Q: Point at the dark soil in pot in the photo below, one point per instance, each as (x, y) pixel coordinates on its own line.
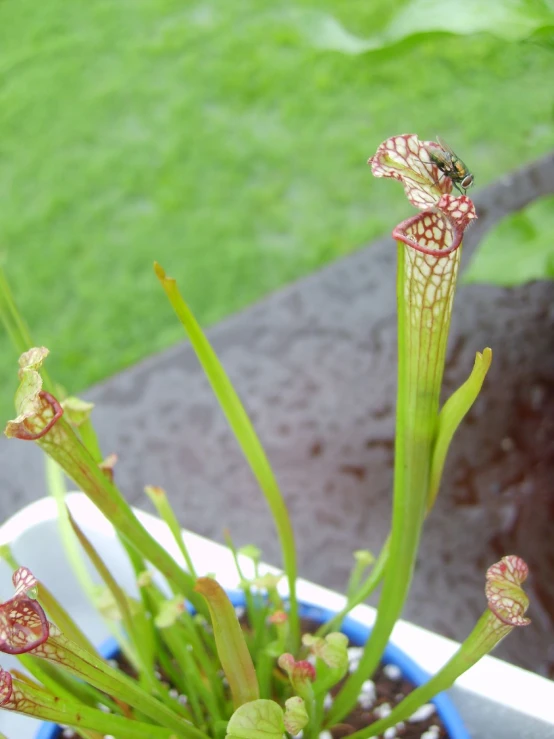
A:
(378, 697)
(388, 691)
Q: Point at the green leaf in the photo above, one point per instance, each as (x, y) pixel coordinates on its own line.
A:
(231, 645)
(332, 649)
(512, 21)
(245, 435)
(518, 250)
(159, 498)
(452, 414)
(27, 402)
(131, 612)
(251, 551)
(169, 613)
(85, 665)
(259, 719)
(77, 411)
(296, 716)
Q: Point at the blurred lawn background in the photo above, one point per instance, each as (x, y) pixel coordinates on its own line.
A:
(228, 140)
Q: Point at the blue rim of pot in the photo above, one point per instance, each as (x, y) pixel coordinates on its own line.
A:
(358, 635)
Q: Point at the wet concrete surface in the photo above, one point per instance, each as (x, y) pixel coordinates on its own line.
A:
(315, 366)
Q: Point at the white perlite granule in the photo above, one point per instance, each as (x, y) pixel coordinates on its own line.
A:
(392, 672)
(354, 653)
(365, 701)
(325, 735)
(383, 710)
(328, 701)
(432, 732)
(354, 657)
(390, 733)
(368, 688)
(367, 694)
(423, 713)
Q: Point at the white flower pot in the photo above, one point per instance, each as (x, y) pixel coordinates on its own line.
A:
(496, 699)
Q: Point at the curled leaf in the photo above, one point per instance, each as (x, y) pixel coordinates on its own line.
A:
(170, 611)
(231, 645)
(301, 671)
(278, 617)
(437, 232)
(25, 583)
(36, 419)
(259, 719)
(506, 598)
(332, 649)
(23, 622)
(364, 557)
(107, 466)
(296, 717)
(77, 411)
(267, 581)
(32, 359)
(5, 687)
(251, 551)
(405, 158)
(440, 228)
(301, 675)
(37, 411)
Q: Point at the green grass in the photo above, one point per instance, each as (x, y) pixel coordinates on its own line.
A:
(213, 138)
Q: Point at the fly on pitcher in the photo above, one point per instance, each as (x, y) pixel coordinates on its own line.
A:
(450, 164)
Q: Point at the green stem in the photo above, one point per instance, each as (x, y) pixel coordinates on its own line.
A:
(159, 498)
(244, 583)
(450, 417)
(59, 683)
(74, 555)
(62, 444)
(362, 593)
(53, 607)
(97, 672)
(424, 311)
(485, 636)
(37, 702)
(90, 440)
(135, 624)
(198, 665)
(247, 438)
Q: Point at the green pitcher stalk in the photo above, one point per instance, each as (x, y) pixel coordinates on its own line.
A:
(429, 249)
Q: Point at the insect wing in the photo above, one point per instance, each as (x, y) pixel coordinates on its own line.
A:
(439, 157)
(442, 143)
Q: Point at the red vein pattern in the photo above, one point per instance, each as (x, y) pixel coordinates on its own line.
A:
(506, 598)
(23, 623)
